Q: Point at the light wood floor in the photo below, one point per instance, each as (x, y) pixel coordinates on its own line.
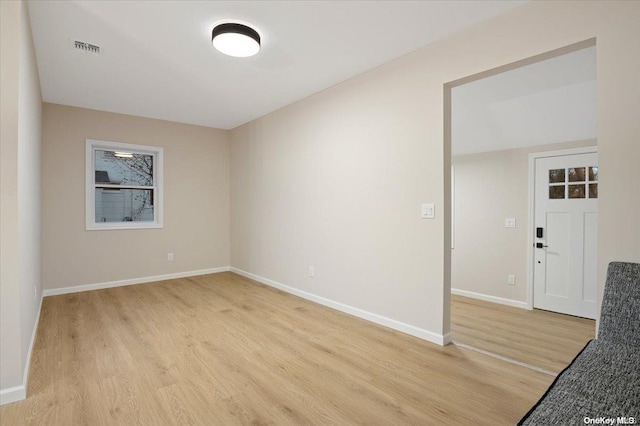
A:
(544, 339)
(220, 349)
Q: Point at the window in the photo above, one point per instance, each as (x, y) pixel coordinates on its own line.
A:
(123, 186)
(582, 183)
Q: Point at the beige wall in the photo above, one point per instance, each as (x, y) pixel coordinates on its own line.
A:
(10, 362)
(490, 187)
(30, 135)
(21, 106)
(196, 200)
(336, 180)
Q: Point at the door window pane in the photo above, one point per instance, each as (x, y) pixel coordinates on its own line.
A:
(593, 173)
(556, 192)
(577, 174)
(593, 190)
(577, 191)
(556, 175)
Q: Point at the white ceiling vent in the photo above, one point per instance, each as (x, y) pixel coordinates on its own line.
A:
(85, 47)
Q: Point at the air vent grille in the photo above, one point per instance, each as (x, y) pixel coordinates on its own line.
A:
(86, 47)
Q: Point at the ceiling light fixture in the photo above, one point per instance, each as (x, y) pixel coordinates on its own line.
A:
(235, 39)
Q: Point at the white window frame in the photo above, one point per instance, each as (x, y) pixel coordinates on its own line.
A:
(90, 185)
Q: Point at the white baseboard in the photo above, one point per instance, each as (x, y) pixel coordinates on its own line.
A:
(369, 316)
(132, 281)
(14, 394)
(18, 393)
(487, 298)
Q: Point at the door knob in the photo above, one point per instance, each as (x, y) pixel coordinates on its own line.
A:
(540, 245)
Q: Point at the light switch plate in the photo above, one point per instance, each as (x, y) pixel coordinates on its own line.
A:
(428, 211)
(510, 222)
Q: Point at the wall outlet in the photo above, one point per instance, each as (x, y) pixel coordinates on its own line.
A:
(312, 271)
(510, 222)
(170, 257)
(511, 279)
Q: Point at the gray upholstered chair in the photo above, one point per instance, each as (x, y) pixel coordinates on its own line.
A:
(604, 379)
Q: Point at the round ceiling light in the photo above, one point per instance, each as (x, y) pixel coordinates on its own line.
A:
(235, 40)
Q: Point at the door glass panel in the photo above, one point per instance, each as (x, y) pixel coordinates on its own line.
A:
(593, 190)
(556, 176)
(577, 191)
(593, 173)
(577, 174)
(556, 192)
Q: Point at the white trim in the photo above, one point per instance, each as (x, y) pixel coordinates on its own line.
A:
(530, 225)
(34, 333)
(360, 313)
(18, 393)
(453, 207)
(9, 395)
(132, 281)
(90, 190)
(487, 298)
(532, 206)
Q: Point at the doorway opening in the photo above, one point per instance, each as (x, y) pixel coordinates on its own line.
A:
(522, 259)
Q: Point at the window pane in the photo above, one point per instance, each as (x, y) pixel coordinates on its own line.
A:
(124, 168)
(556, 192)
(556, 175)
(124, 205)
(593, 190)
(577, 191)
(576, 174)
(593, 173)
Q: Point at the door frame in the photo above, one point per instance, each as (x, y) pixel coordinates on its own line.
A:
(531, 220)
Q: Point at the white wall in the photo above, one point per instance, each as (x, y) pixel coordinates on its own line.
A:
(20, 225)
(336, 180)
(490, 187)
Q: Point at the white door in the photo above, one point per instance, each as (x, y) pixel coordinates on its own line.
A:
(566, 234)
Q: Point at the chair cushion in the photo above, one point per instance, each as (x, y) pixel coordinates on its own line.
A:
(620, 314)
(602, 381)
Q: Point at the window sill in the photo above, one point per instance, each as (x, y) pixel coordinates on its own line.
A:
(119, 226)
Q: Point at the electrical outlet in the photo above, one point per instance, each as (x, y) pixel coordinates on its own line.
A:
(511, 280)
(510, 222)
(312, 271)
(170, 257)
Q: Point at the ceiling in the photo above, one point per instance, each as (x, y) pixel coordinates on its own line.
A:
(547, 102)
(158, 61)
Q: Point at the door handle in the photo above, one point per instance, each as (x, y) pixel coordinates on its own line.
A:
(540, 245)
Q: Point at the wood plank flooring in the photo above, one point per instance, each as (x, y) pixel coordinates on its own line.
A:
(540, 338)
(220, 349)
